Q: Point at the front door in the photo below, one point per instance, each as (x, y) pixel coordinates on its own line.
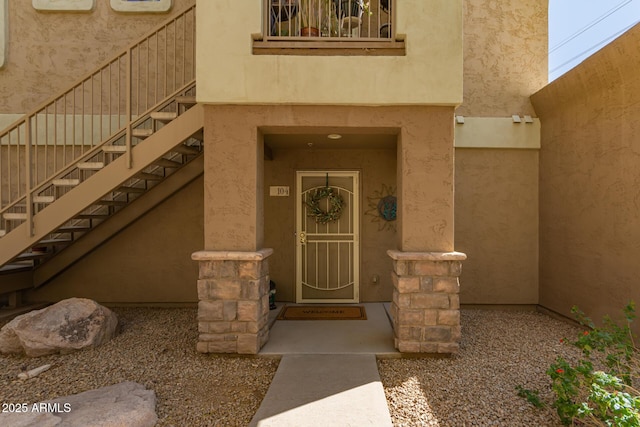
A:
(327, 233)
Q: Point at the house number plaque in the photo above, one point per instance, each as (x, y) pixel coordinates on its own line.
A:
(279, 191)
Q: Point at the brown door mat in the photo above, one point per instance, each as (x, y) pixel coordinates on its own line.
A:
(322, 312)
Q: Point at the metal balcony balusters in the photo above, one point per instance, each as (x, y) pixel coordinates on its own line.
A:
(343, 20)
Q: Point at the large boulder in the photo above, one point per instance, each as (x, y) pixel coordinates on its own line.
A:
(126, 404)
(69, 325)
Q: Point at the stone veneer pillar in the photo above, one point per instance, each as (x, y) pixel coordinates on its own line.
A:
(233, 311)
(426, 305)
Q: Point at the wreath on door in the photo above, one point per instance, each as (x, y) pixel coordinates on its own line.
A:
(336, 204)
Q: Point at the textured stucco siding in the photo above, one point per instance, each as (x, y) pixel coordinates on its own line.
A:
(590, 182)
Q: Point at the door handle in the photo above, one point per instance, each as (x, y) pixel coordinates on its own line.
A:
(303, 238)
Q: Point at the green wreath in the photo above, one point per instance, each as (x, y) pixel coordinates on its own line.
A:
(335, 201)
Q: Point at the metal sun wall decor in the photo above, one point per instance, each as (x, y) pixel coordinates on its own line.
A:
(383, 208)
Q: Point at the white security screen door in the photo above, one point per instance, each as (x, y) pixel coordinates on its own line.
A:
(327, 233)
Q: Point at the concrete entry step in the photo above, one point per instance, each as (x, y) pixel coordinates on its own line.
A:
(325, 389)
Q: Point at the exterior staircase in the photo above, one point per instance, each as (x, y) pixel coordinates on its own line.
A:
(129, 132)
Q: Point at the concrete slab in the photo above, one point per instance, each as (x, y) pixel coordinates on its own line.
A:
(325, 390)
(371, 336)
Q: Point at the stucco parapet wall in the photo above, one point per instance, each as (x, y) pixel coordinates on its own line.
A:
(426, 256)
(497, 132)
(232, 255)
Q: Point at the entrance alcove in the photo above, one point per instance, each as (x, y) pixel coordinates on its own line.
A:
(372, 157)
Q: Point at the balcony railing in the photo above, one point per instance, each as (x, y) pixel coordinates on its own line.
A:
(328, 20)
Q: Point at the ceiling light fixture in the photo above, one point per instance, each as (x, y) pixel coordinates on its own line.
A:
(334, 136)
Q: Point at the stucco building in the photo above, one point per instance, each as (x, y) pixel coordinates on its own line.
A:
(209, 132)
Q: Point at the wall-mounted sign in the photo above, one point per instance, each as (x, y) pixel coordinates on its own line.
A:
(279, 191)
(141, 5)
(71, 5)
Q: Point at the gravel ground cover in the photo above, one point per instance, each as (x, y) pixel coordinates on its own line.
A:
(477, 387)
(156, 347)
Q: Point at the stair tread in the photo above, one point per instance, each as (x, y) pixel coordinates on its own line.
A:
(14, 215)
(92, 216)
(73, 229)
(185, 149)
(66, 182)
(43, 199)
(142, 132)
(166, 163)
(163, 116)
(114, 149)
(91, 165)
(149, 176)
(15, 268)
(111, 202)
(126, 189)
(31, 255)
(47, 242)
(186, 99)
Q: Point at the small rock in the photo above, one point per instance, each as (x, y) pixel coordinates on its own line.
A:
(33, 372)
(69, 325)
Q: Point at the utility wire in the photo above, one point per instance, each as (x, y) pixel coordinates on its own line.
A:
(600, 43)
(590, 25)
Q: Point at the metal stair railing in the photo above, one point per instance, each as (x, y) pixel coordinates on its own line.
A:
(107, 107)
(97, 186)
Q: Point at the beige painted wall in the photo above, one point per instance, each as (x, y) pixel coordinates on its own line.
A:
(505, 56)
(377, 169)
(497, 225)
(496, 174)
(419, 161)
(430, 73)
(590, 181)
(148, 262)
(47, 51)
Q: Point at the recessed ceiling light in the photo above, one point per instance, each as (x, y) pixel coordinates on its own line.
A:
(334, 136)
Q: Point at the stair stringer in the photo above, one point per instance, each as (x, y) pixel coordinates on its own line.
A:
(118, 222)
(102, 183)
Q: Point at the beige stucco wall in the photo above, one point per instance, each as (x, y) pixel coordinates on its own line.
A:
(505, 56)
(496, 174)
(147, 262)
(497, 225)
(420, 165)
(47, 51)
(430, 73)
(590, 181)
(377, 169)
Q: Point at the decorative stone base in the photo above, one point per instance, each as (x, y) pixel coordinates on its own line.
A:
(233, 312)
(426, 304)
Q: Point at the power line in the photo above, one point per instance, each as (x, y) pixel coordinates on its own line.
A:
(600, 43)
(591, 24)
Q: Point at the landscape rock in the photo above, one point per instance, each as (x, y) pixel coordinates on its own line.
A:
(126, 404)
(69, 325)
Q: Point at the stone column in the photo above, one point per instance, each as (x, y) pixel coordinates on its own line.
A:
(233, 312)
(426, 305)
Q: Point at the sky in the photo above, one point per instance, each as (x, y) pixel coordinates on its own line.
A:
(579, 28)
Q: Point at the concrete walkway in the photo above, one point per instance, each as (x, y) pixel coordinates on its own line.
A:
(328, 374)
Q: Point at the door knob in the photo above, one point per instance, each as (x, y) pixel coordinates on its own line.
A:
(303, 238)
